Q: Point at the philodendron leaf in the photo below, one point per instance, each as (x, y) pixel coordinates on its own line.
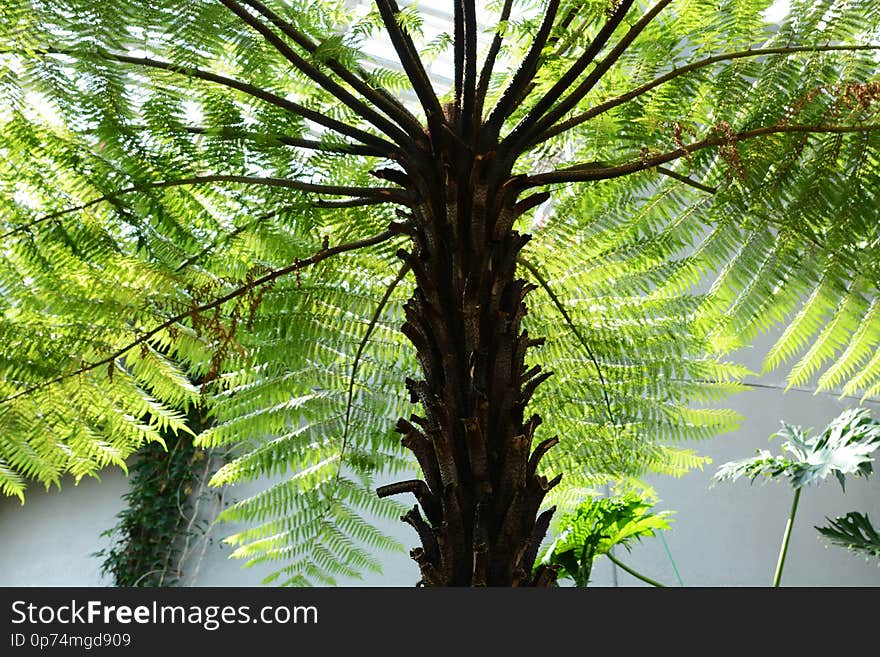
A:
(764, 463)
(844, 447)
(855, 532)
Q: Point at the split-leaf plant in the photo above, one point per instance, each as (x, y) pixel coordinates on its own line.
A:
(854, 532)
(844, 447)
(238, 192)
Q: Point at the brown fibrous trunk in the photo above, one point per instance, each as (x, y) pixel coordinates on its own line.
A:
(477, 514)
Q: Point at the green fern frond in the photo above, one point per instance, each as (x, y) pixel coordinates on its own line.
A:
(168, 185)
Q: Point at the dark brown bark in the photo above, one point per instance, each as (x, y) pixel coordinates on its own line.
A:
(602, 67)
(481, 493)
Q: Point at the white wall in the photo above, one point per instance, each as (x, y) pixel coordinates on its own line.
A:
(49, 540)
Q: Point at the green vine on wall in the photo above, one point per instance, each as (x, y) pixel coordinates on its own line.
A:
(158, 514)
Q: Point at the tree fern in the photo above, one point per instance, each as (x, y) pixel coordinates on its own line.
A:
(205, 204)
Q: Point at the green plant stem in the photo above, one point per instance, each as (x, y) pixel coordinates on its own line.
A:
(671, 560)
(784, 548)
(634, 573)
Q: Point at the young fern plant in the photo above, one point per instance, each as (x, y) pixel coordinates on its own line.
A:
(843, 448)
(594, 528)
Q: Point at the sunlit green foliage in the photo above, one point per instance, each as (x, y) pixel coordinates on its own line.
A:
(146, 154)
(595, 527)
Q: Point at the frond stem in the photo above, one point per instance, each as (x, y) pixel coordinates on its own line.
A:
(322, 80)
(570, 101)
(564, 312)
(411, 62)
(458, 53)
(285, 140)
(249, 89)
(617, 562)
(601, 108)
(377, 95)
(350, 203)
(687, 181)
(515, 91)
(599, 171)
(571, 75)
(298, 264)
(783, 388)
(489, 62)
(379, 194)
(349, 404)
(470, 119)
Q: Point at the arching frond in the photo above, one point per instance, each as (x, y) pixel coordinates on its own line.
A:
(201, 206)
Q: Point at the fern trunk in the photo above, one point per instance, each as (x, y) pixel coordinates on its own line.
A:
(482, 492)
